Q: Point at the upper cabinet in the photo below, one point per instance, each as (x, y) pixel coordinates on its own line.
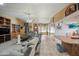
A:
(71, 9)
(59, 15)
(68, 10)
(5, 22)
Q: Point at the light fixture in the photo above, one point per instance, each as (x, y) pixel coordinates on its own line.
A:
(1, 3)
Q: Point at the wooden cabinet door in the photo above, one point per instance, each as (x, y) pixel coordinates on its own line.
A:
(1, 39)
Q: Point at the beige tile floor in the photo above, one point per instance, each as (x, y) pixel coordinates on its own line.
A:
(48, 47)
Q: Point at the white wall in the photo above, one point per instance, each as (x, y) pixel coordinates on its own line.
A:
(52, 29)
(43, 28)
(64, 31)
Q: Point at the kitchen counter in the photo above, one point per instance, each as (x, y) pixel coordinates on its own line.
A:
(69, 40)
(71, 45)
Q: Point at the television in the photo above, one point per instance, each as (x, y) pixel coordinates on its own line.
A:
(4, 31)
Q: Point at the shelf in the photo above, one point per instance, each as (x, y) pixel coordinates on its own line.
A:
(5, 26)
(1, 38)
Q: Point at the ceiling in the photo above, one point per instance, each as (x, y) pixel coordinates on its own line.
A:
(37, 12)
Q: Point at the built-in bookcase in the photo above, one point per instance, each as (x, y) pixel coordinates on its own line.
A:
(5, 34)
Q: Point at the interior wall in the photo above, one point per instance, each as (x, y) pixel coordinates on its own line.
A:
(43, 28)
(52, 29)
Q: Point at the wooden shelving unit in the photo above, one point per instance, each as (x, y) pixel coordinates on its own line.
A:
(5, 34)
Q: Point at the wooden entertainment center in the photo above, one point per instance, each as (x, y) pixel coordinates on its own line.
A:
(5, 34)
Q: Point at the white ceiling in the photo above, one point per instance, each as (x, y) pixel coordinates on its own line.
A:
(39, 12)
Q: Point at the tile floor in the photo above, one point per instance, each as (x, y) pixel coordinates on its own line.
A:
(48, 47)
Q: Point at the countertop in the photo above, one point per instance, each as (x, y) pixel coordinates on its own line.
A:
(69, 40)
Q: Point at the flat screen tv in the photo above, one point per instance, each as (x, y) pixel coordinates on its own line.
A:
(4, 31)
